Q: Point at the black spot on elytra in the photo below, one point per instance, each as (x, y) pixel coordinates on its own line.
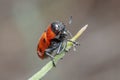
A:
(40, 50)
(44, 40)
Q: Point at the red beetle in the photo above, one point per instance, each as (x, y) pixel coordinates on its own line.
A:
(52, 39)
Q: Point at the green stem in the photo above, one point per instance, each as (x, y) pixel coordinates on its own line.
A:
(49, 65)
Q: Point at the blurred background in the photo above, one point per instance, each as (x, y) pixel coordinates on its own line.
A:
(23, 21)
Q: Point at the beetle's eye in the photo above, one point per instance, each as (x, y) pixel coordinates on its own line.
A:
(56, 27)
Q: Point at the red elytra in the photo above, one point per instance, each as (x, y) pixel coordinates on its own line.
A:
(44, 42)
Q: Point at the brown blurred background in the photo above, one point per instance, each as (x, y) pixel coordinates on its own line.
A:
(23, 21)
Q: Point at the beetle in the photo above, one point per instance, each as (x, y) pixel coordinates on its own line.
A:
(53, 38)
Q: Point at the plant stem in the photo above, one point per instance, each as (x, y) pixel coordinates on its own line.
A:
(49, 65)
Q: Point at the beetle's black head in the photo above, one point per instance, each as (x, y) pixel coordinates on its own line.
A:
(58, 27)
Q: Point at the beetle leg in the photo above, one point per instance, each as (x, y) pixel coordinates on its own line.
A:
(54, 65)
(62, 47)
(69, 33)
(49, 55)
(58, 51)
(52, 57)
(74, 44)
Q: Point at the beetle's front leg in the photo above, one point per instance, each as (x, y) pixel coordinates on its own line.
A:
(74, 44)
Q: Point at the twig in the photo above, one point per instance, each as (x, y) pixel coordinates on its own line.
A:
(49, 65)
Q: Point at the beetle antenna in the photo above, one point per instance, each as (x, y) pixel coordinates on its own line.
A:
(69, 23)
(70, 20)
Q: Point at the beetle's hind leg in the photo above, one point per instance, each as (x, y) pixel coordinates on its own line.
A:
(47, 52)
(51, 57)
(54, 45)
